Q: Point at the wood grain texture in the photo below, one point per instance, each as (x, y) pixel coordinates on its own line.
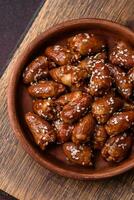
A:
(20, 175)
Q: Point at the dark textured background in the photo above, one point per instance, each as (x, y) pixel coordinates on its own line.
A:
(5, 196)
(15, 18)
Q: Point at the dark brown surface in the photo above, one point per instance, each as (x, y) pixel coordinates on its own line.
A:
(20, 103)
(5, 196)
(14, 24)
(29, 180)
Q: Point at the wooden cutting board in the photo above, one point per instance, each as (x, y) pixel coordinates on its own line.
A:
(20, 175)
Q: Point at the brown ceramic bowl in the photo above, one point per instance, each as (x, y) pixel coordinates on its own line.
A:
(19, 102)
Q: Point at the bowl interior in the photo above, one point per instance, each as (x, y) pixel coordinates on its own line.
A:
(53, 158)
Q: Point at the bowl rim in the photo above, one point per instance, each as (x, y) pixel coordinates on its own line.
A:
(12, 108)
